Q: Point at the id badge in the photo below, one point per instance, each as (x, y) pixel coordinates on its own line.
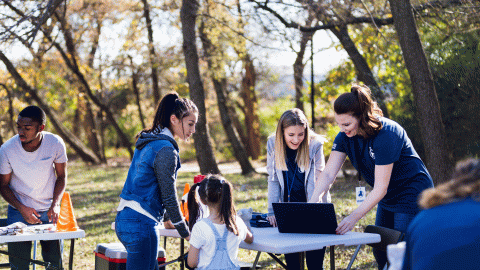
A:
(360, 194)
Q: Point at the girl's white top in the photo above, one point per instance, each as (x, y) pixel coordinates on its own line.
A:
(203, 238)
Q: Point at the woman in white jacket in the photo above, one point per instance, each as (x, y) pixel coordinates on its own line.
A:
(295, 161)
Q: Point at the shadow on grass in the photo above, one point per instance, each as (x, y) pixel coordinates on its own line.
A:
(97, 224)
(98, 198)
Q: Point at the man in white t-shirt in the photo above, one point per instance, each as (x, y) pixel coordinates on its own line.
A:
(33, 172)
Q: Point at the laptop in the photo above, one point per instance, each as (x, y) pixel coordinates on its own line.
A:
(300, 217)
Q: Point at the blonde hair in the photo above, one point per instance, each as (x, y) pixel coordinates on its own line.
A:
(293, 117)
(465, 183)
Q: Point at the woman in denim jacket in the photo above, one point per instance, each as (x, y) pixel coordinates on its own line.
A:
(295, 161)
(150, 188)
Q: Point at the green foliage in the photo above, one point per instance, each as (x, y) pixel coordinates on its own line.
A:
(457, 82)
(331, 132)
(270, 113)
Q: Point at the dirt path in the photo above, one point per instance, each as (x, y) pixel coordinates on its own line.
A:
(225, 168)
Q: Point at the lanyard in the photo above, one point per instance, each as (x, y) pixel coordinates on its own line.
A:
(289, 187)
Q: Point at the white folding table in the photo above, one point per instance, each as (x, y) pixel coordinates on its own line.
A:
(46, 236)
(269, 240)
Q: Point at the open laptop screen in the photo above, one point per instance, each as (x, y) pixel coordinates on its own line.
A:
(295, 217)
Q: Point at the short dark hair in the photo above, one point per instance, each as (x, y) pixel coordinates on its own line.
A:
(35, 113)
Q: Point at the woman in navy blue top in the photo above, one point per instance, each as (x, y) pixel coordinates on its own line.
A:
(447, 234)
(381, 151)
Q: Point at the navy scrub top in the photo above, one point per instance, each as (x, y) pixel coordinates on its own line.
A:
(391, 145)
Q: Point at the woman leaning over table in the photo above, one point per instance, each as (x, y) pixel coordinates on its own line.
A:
(150, 188)
(294, 161)
(382, 153)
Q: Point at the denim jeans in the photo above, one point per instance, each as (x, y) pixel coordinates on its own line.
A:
(137, 233)
(391, 220)
(50, 249)
(314, 259)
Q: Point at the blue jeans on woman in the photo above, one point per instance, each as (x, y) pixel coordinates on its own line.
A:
(137, 233)
(50, 249)
(391, 220)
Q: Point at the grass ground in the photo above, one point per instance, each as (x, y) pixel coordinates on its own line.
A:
(95, 189)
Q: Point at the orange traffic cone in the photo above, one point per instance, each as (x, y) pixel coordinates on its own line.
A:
(184, 205)
(66, 219)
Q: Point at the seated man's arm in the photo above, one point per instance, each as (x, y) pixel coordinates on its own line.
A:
(60, 183)
(29, 214)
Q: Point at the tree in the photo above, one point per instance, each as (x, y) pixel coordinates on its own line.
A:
(206, 159)
(250, 108)
(10, 106)
(336, 18)
(298, 67)
(364, 73)
(151, 53)
(70, 57)
(85, 153)
(136, 91)
(426, 102)
(219, 83)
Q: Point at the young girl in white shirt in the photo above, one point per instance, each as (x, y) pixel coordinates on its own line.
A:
(214, 240)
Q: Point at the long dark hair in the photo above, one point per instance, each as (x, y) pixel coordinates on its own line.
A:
(359, 103)
(214, 189)
(170, 104)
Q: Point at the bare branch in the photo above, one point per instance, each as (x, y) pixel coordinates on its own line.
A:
(325, 26)
(51, 7)
(357, 20)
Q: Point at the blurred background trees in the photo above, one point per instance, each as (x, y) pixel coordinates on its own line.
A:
(99, 68)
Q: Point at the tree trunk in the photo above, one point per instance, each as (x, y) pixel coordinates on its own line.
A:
(252, 123)
(71, 63)
(298, 68)
(238, 148)
(10, 108)
(92, 133)
(83, 151)
(151, 52)
(77, 117)
(364, 72)
(203, 147)
(137, 96)
(90, 125)
(428, 113)
(236, 122)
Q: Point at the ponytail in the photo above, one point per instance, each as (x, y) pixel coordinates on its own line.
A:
(360, 104)
(194, 209)
(165, 109)
(171, 104)
(227, 210)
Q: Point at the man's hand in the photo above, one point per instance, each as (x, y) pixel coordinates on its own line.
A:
(53, 213)
(30, 215)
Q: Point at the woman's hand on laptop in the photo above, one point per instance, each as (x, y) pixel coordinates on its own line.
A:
(272, 221)
(347, 224)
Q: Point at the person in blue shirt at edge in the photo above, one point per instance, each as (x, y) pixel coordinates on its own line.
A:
(447, 234)
(382, 153)
(294, 161)
(150, 187)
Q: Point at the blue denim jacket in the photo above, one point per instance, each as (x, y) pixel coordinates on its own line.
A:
(147, 169)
